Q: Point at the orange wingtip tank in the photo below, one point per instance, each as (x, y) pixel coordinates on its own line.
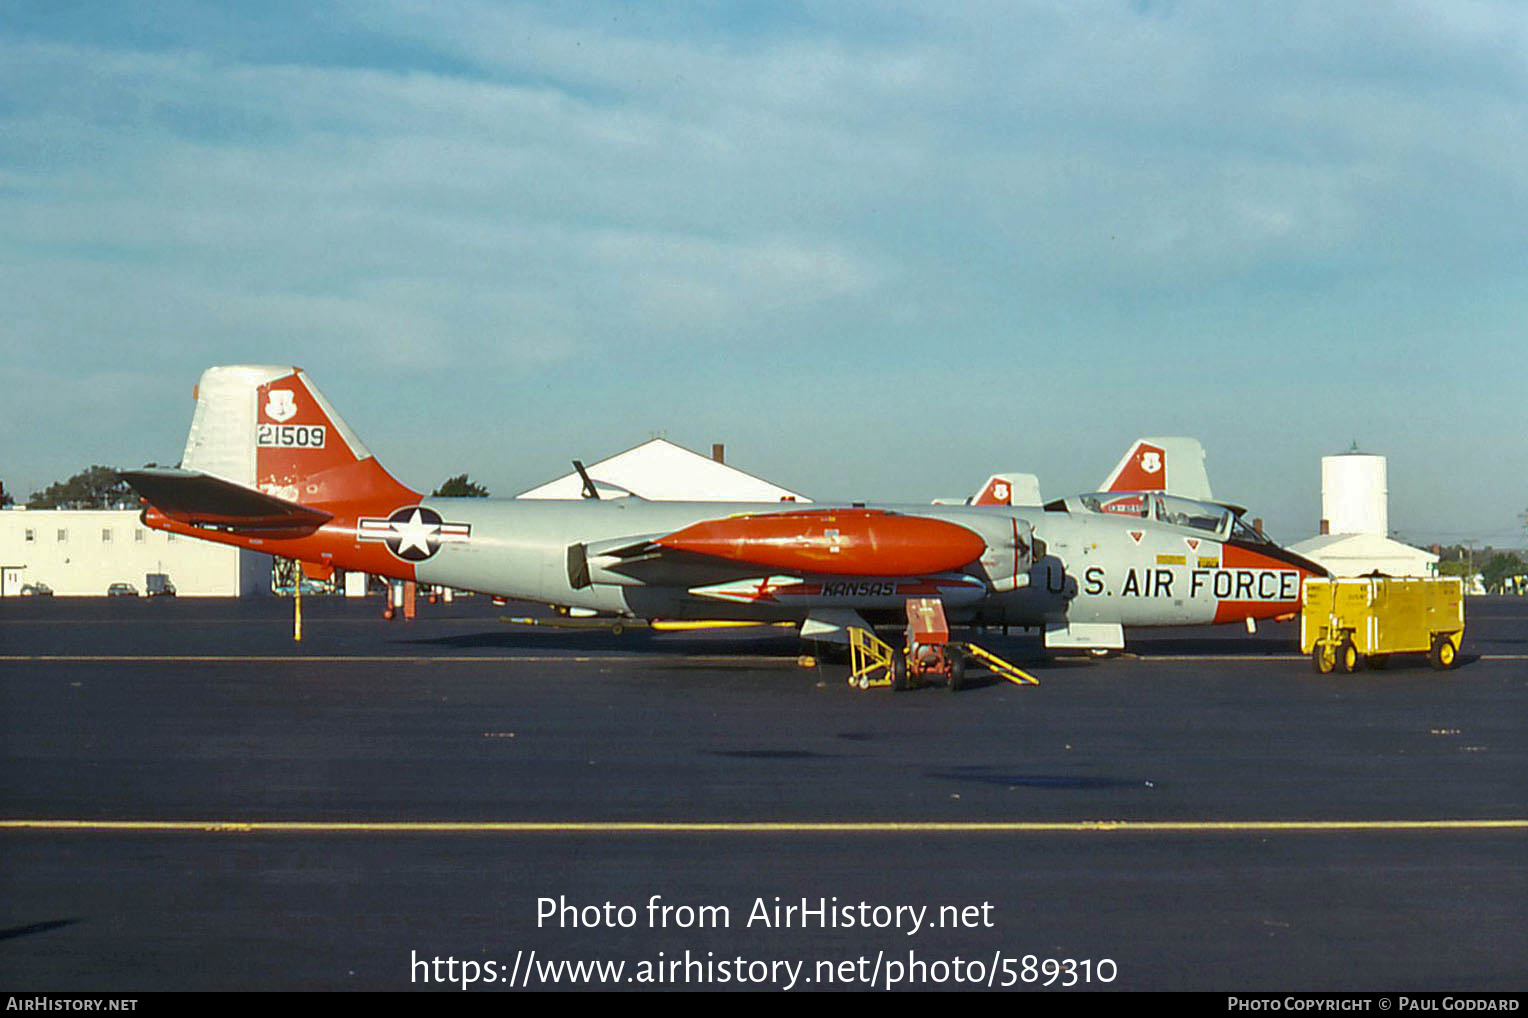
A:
(853, 542)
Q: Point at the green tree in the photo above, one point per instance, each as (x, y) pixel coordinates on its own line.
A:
(1501, 566)
(5, 497)
(1460, 560)
(460, 487)
(96, 487)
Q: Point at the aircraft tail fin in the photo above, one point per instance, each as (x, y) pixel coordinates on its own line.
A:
(1173, 465)
(1009, 489)
(270, 429)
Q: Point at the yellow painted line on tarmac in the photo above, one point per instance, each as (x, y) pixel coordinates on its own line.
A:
(657, 657)
(1222, 658)
(114, 620)
(759, 827)
(1234, 658)
(383, 659)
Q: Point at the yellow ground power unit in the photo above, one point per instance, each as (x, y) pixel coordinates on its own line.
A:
(1345, 623)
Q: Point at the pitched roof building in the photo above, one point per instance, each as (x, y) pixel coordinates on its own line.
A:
(661, 471)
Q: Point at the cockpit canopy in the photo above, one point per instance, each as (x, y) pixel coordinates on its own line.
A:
(1220, 521)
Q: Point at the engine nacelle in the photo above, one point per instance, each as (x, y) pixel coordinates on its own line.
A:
(1009, 552)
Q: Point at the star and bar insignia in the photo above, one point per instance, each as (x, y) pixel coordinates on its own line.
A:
(412, 533)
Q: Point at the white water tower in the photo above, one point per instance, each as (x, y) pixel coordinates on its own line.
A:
(1354, 496)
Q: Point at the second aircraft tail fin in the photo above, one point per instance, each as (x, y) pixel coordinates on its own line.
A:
(1174, 465)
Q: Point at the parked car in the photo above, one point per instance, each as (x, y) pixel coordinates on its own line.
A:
(158, 585)
(121, 590)
(36, 590)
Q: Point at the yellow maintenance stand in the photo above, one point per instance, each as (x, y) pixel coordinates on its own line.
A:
(1347, 622)
(930, 655)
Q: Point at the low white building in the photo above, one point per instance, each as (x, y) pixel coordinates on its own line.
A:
(81, 552)
(1363, 554)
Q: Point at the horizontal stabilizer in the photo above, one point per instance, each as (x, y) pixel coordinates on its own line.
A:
(203, 500)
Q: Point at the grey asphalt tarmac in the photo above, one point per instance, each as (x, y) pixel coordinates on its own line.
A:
(206, 712)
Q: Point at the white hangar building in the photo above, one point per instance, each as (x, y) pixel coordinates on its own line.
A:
(1355, 522)
(661, 471)
(81, 552)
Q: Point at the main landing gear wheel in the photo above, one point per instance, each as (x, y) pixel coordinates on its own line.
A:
(1348, 658)
(834, 653)
(1323, 658)
(957, 671)
(1443, 654)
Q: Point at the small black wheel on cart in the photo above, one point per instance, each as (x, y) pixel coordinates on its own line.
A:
(1348, 658)
(1323, 658)
(1443, 653)
(957, 671)
(617, 629)
(898, 672)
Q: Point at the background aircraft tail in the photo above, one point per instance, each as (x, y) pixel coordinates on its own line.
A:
(1174, 465)
(1009, 489)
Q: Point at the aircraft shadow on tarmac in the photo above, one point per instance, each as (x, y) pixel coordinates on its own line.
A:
(985, 775)
(34, 928)
(631, 642)
(769, 643)
(772, 754)
(1024, 650)
(1218, 646)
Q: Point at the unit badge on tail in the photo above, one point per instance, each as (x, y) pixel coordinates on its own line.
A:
(280, 405)
(412, 533)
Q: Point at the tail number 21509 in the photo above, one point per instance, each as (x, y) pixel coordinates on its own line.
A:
(290, 436)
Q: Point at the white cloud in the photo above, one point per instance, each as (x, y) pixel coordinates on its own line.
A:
(545, 187)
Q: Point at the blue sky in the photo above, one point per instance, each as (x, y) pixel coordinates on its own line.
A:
(880, 250)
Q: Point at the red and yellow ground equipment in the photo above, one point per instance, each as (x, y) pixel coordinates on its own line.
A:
(929, 657)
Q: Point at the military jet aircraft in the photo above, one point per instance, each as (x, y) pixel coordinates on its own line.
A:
(269, 465)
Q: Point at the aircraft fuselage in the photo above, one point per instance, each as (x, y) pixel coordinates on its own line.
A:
(1078, 567)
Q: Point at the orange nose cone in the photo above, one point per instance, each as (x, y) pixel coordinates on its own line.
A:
(846, 542)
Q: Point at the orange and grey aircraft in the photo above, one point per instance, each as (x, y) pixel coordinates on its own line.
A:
(270, 466)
